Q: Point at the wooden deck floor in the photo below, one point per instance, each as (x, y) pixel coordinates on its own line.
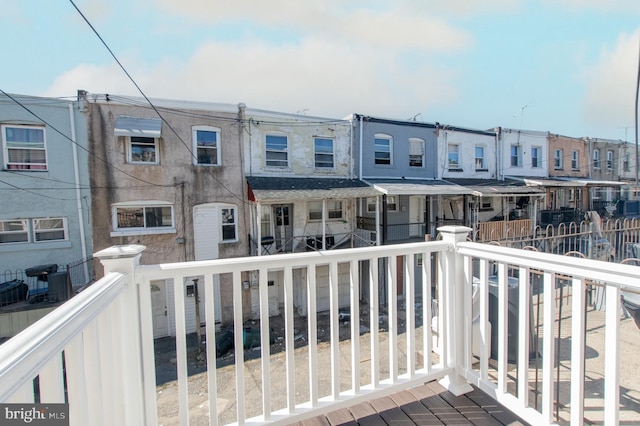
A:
(430, 404)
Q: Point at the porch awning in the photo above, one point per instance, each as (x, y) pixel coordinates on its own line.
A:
(270, 189)
(419, 187)
(494, 187)
(548, 182)
(137, 126)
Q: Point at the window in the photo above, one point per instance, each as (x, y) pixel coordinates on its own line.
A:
(416, 152)
(596, 158)
(142, 218)
(609, 160)
(535, 157)
(485, 203)
(453, 156)
(49, 229)
(323, 153)
(143, 150)
(371, 204)
(33, 230)
(574, 160)
(383, 145)
(14, 231)
(24, 147)
(557, 159)
(277, 151)
(206, 145)
(265, 222)
(392, 203)
(480, 158)
(229, 224)
(516, 160)
(625, 162)
(334, 210)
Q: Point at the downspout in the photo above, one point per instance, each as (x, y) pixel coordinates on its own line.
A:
(76, 173)
(360, 153)
(258, 229)
(499, 165)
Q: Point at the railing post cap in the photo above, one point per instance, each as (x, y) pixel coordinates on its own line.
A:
(452, 229)
(120, 252)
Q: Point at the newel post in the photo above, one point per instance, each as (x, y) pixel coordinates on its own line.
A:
(131, 353)
(452, 267)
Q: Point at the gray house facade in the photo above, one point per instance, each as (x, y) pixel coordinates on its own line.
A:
(46, 200)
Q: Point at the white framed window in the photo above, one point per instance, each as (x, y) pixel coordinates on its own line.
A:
(49, 229)
(323, 153)
(383, 150)
(14, 231)
(24, 147)
(334, 210)
(277, 151)
(557, 159)
(479, 160)
(485, 203)
(140, 218)
(143, 150)
(416, 152)
(371, 204)
(516, 156)
(610, 160)
(596, 158)
(229, 223)
(392, 203)
(453, 156)
(574, 160)
(535, 157)
(206, 145)
(625, 162)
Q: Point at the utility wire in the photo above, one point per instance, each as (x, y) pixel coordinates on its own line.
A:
(74, 142)
(232, 193)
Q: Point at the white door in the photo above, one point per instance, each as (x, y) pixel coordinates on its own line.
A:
(206, 237)
(159, 309)
(416, 215)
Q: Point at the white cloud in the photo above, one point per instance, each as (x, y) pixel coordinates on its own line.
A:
(326, 78)
(611, 6)
(368, 23)
(611, 83)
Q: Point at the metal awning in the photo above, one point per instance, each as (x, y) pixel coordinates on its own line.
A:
(276, 189)
(419, 187)
(493, 187)
(137, 126)
(548, 182)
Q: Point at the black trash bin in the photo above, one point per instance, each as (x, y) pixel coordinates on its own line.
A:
(13, 291)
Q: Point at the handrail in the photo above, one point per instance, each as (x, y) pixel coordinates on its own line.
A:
(23, 356)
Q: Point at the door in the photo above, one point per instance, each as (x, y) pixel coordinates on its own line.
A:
(283, 227)
(159, 309)
(206, 238)
(416, 216)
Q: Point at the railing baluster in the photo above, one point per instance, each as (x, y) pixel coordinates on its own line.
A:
(335, 329)
(578, 330)
(210, 321)
(392, 320)
(181, 349)
(238, 332)
(148, 354)
(374, 318)
(312, 318)
(612, 356)
(485, 324)
(289, 336)
(265, 336)
(503, 315)
(427, 314)
(93, 367)
(410, 322)
(467, 304)
(108, 368)
(52, 381)
(524, 333)
(24, 395)
(548, 344)
(354, 295)
(76, 381)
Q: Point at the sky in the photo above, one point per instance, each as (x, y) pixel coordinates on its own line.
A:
(564, 66)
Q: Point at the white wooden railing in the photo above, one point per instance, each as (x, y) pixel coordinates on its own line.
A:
(105, 335)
